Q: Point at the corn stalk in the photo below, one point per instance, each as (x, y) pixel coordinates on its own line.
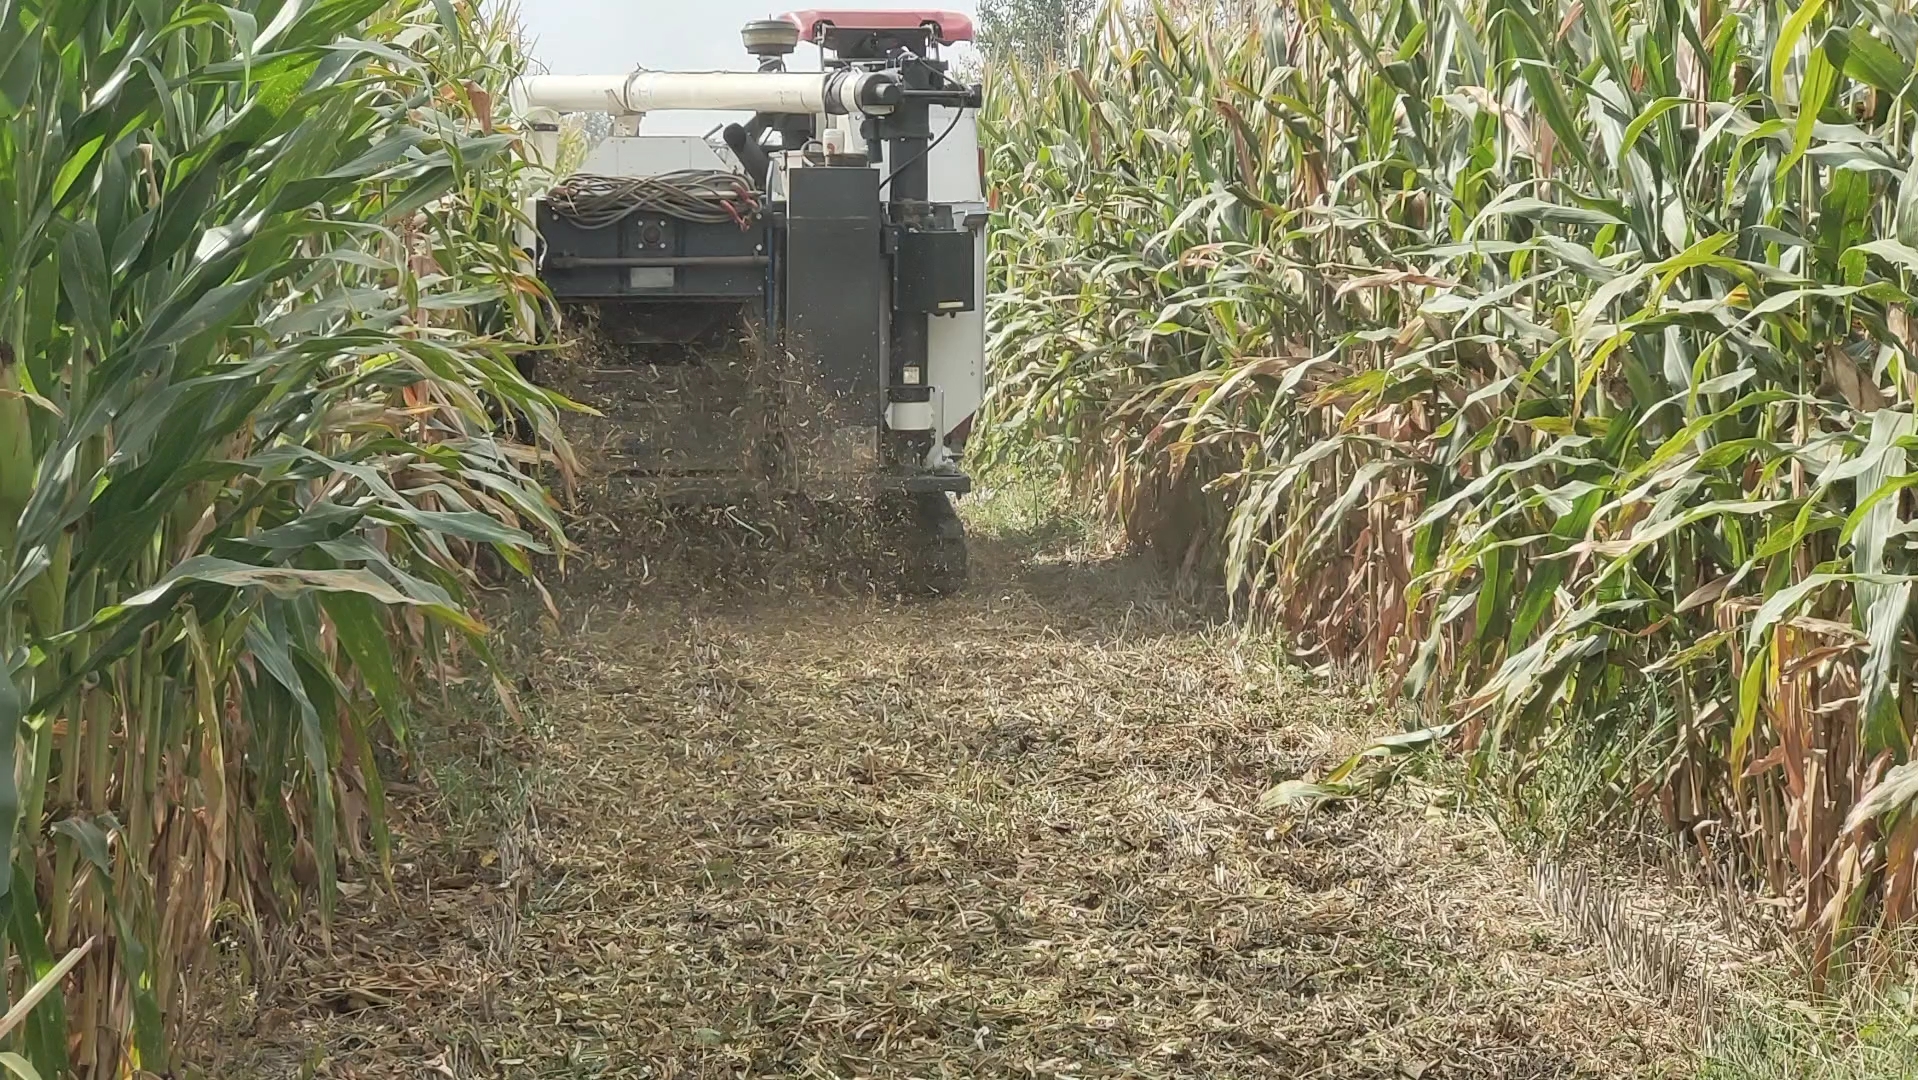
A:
(259, 306)
(1555, 355)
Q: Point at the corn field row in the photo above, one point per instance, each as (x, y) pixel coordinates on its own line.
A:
(1555, 355)
(260, 307)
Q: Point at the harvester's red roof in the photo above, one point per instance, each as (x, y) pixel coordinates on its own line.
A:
(949, 27)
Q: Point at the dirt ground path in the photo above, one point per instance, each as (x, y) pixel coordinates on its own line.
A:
(1009, 834)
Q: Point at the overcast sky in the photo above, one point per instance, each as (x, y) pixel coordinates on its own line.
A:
(609, 37)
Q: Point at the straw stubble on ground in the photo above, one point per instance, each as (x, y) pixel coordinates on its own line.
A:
(1012, 833)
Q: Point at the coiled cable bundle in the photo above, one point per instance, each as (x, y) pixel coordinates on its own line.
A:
(709, 196)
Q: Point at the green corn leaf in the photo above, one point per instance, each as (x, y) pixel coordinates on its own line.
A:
(1864, 58)
(1790, 36)
(44, 1019)
(1891, 794)
(1885, 609)
(1906, 213)
(1645, 119)
(364, 636)
(1821, 78)
(12, 721)
(1892, 251)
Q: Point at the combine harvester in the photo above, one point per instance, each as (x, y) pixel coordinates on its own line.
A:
(794, 303)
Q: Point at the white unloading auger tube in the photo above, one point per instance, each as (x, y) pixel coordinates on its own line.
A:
(872, 93)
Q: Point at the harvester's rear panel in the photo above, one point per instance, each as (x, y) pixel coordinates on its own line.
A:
(653, 256)
(835, 292)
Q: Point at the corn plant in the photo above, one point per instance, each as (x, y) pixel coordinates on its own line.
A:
(1557, 356)
(259, 303)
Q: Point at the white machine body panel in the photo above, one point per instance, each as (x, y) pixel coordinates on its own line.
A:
(654, 155)
(956, 354)
(954, 163)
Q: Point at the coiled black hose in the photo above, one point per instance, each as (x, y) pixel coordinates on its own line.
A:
(710, 196)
